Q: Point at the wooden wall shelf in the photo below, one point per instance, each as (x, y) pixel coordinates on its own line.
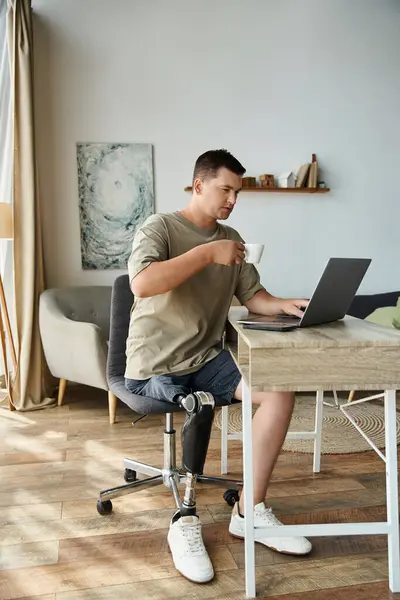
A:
(279, 190)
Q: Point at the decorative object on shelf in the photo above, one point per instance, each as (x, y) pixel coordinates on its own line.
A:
(248, 182)
(307, 175)
(6, 234)
(302, 175)
(267, 181)
(313, 173)
(116, 195)
(287, 180)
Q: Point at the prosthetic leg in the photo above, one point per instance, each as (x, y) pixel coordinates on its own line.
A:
(196, 433)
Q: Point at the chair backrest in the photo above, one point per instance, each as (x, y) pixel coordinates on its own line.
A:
(121, 306)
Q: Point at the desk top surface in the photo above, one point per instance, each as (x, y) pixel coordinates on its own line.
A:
(349, 332)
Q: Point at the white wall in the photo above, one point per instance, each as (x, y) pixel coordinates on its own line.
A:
(271, 81)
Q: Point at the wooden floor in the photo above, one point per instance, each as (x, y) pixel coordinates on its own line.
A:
(53, 543)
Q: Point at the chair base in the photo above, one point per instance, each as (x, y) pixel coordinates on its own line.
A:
(170, 478)
(170, 475)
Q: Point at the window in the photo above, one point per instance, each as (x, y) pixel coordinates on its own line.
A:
(6, 157)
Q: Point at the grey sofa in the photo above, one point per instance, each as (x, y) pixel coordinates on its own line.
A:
(74, 327)
(365, 304)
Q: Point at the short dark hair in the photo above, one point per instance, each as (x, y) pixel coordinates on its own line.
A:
(209, 163)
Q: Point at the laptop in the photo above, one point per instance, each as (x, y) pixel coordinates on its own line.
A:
(330, 301)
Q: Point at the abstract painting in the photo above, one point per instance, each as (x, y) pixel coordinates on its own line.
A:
(116, 195)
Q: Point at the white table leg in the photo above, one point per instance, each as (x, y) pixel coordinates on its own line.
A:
(224, 440)
(248, 490)
(319, 413)
(392, 494)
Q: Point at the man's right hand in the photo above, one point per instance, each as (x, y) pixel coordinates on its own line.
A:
(226, 252)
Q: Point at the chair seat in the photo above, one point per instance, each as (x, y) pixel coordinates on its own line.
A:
(145, 404)
(141, 404)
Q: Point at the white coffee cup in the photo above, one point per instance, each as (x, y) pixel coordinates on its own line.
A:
(253, 252)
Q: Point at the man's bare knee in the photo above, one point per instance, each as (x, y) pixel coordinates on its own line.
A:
(284, 399)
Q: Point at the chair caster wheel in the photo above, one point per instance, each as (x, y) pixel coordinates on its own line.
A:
(130, 476)
(231, 497)
(104, 508)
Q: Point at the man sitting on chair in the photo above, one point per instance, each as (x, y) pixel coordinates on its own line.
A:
(184, 269)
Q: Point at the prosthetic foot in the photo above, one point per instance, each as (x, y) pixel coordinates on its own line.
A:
(196, 433)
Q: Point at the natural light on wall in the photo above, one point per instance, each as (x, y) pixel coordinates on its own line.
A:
(6, 155)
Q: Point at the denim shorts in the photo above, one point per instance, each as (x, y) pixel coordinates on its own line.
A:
(220, 376)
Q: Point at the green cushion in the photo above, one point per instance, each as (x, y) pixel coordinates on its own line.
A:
(388, 316)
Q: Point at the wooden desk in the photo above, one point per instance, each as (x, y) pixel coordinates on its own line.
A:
(348, 355)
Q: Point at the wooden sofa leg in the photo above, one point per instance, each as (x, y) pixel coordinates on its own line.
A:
(351, 396)
(61, 391)
(112, 407)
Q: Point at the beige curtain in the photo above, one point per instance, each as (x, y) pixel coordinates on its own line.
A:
(29, 381)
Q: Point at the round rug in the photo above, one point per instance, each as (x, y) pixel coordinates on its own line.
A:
(339, 436)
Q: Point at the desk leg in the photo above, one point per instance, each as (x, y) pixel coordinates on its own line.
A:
(392, 494)
(224, 440)
(319, 413)
(248, 490)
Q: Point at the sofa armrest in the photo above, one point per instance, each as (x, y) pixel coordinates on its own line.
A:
(74, 350)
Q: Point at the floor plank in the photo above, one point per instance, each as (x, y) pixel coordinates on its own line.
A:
(50, 511)
(313, 503)
(372, 591)
(44, 597)
(41, 531)
(28, 458)
(19, 556)
(129, 544)
(103, 571)
(324, 547)
(279, 580)
(304, 576)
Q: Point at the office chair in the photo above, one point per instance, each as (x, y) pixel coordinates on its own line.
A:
(169, 475)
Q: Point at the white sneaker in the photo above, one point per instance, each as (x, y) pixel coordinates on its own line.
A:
(188, 551)
(263, 517)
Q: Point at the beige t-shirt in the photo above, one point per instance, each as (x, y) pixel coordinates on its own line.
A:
(177, 332)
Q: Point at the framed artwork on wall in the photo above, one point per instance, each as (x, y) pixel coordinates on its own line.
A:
(116, 195)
